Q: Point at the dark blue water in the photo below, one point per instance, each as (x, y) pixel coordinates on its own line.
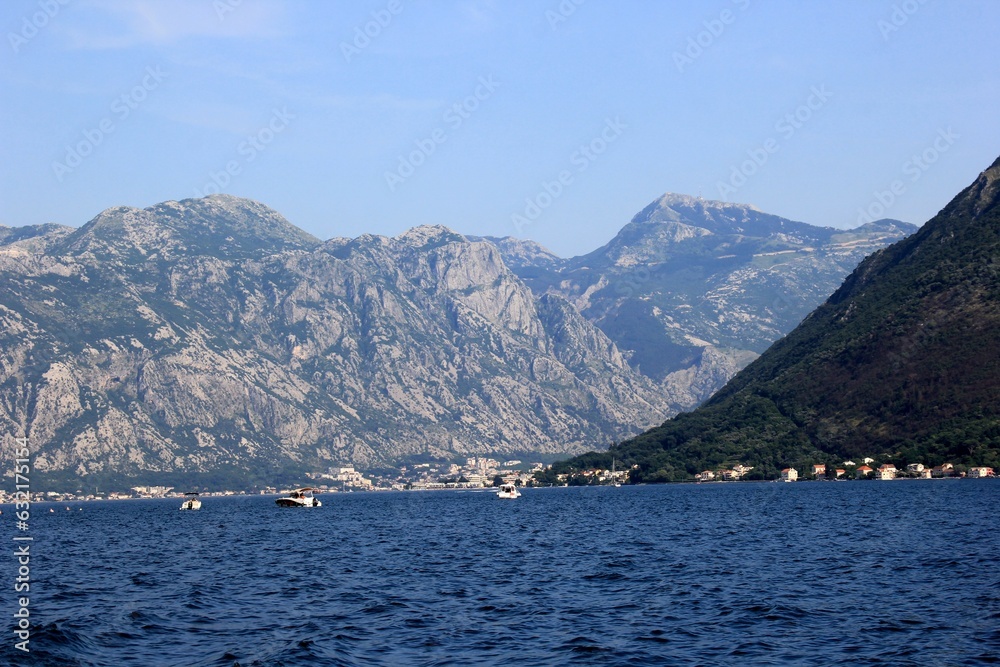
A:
(893, 573)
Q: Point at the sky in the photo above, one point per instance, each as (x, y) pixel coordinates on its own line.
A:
(554, 120)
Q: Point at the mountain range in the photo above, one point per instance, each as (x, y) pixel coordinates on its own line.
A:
(210, 337)
(692, 290)
(900, 363)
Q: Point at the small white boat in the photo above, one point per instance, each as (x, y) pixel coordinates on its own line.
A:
(299, 498)
(508, 491)
(192, 502)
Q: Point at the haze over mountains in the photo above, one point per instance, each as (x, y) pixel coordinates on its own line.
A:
(901, 362)
(212, 336)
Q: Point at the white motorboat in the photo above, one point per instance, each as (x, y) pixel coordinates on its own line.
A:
(508, 491)
(192, 502)
(299, 498)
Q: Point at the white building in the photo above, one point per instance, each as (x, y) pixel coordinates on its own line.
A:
(789, 475)
(981, 471)
(886, 471)
(348, 476)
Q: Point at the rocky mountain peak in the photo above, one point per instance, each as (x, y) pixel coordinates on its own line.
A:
(677, 207)
(889, 225)
(522, 253)
(10, 235)
(429, 235)
(247, 225)
(717, 217)
(222, 226)
(692, 289)
(985, 192)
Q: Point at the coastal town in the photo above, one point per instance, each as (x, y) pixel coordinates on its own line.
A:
(484, 472)
(851, 470)
(474, 473)
(868, 468)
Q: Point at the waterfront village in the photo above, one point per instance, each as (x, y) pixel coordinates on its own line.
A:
(817, 471)
(851, 470)
(475, 473)
(482, 472)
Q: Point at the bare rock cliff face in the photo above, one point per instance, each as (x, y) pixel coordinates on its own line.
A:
(211, 334)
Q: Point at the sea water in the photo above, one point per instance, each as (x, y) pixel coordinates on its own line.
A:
(876, 573)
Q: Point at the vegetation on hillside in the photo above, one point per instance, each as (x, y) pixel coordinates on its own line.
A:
(901, 363)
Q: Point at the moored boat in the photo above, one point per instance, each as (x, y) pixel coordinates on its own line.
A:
(508, 491)
(299, 498)
(192, 502)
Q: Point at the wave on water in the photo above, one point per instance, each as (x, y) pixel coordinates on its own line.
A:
(628, 576)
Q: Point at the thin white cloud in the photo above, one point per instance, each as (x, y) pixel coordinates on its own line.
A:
(122, 24)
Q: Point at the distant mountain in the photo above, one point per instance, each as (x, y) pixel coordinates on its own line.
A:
(692, 290)
(211, 337)
(903, 361)
(521, 253)
(14, 234)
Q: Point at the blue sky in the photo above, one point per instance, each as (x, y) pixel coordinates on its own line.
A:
(555, 120)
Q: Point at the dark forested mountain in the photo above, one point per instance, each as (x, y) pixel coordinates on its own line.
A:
(692, 290)
(902, 361)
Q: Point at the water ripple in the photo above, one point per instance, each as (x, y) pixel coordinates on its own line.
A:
(813, 574)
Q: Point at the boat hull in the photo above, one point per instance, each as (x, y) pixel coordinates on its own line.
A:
(298, 502)
(508, 492)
